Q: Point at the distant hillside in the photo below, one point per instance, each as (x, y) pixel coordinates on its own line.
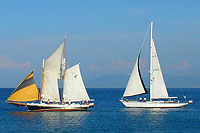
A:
(182, 81)
(120, 81)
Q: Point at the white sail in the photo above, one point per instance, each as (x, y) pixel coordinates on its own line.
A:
(74, 89)
(53, 70)
(56, 61)
(158, 87)
(50, 90)
(135, 84)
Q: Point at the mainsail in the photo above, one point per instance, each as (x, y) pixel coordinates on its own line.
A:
(157, 83)
(53, 70)
(135, 84)
(26, 91)
(74, 89)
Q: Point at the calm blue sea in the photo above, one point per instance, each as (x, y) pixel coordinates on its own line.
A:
(108, 115)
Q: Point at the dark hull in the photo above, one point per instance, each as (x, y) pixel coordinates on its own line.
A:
(60, 108)
(41, 109)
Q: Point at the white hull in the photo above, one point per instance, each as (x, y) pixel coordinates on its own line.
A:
(58, 107)
(153, 104)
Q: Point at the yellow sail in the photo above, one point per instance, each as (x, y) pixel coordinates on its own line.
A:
(26, 91)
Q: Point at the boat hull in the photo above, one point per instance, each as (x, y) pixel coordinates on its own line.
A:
(37, 107)
(152, 104)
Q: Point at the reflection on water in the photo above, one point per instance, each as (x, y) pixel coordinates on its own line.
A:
(62, 120)
(54, 121)
(148, 117)
(26, 115)
(54, 118)
(149, 111)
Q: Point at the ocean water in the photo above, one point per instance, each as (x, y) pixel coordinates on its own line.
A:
(108, 115)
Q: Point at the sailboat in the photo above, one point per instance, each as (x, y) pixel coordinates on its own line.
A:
(74, 96)
(159, 97)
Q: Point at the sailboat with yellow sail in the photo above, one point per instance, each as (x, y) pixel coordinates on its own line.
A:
(74, 96)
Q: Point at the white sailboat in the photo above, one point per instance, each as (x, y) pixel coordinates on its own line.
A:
(159, 97)
(74, 96)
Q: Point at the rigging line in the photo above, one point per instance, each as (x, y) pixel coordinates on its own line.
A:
(34, 68)
(144, 39)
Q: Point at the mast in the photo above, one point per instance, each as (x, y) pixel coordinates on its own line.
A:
(41, 89)
(64, 63)
(151, 65)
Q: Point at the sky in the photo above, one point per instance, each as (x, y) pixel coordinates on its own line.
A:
(103, 36)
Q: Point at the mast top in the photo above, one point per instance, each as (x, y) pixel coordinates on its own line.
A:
(65, 36)
(151, 29)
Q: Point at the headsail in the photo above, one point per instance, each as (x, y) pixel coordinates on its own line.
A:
(157, 83)
(135, 84)
(74, 89)
(26, 91)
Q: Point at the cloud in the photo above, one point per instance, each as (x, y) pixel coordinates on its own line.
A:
(120, 64)
(5, 63)
(136, 11)
(93, 67)
(184, 65)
